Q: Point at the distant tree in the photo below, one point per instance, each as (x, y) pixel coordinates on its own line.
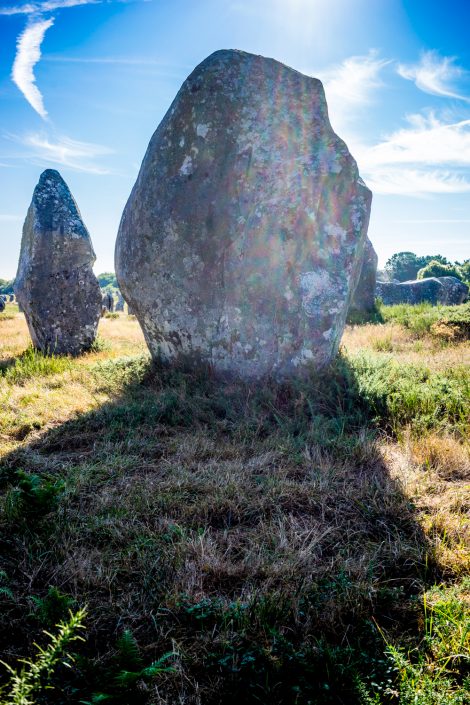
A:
(6, 286)
(434, 268)
(403, 266)
(465, 271)
(406, 265)
(107, 279)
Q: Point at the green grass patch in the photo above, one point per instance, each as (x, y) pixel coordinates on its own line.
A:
(420, 318)
(31, 364)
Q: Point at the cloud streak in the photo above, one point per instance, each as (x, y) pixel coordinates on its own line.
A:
(31, 8)
(349, 86)
(27, 56)
(435, 75)
(70, 153)
(428, 156)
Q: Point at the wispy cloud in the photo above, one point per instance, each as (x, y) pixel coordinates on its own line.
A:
(73, 154)
(27, 55)
(396, 181)
(426, 140)
(435, 74)
(350, 85)
(428, 156)
(31, 8)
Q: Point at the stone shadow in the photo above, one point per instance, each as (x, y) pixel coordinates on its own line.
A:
(257, 525)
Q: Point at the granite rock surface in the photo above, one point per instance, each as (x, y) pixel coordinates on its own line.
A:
(243, 239)
(55, 285)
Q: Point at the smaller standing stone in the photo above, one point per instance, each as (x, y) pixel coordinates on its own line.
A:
(120, 302)
(2, 304)
(55, 284)
(364, 296)
(108, 302)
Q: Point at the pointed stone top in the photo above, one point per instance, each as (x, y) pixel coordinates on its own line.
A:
(55, 207)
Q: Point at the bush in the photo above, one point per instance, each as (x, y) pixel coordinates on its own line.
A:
(35, 675)
(438, 269)
(455, 325)
(32, 498)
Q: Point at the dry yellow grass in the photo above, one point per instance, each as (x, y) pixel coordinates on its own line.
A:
(405, 346)
(434, 472)
(122, 333)
(38, 403)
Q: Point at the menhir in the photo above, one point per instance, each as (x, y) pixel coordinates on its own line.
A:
(55, 284)
(243, 238)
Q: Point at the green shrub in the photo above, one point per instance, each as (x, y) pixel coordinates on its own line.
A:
(437, 671)
(455, 325)
(53, 607)
(418, 318)
(33, 363)
(126, 671)
(34, 677)
(32, 498)
(434, 268)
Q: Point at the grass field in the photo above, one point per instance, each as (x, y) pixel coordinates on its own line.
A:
(303, 543)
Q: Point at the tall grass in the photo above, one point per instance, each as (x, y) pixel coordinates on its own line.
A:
(33, 363)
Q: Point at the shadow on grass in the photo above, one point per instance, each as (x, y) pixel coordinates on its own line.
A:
(253, 530)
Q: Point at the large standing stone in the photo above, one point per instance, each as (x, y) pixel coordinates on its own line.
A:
(243, 238)
(429, 290)
(364, 295)
(455, 291)
(55, 284)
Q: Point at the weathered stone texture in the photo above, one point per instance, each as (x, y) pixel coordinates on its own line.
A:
(107, 302)
(55, 284)
(413, 292)
(434, 290)
(243, 238)
(364, 295)
(120, 302)
(455, 291)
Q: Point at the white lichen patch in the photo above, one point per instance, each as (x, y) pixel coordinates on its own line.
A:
(337, 236)
(182, 141)
(288, 294)
(202, 130)
(328, 333)
(187, 166)
(304, 356)
(314, 286)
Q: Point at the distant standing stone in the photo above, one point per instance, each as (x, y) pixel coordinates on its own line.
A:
(2, 304)
(55, 284)
(364, 296)
(455, 291)
(242, 241)
(108, 302)
(413, 292)
(120, 302)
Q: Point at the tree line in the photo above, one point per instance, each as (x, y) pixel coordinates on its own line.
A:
(402, 266)
(406, 266)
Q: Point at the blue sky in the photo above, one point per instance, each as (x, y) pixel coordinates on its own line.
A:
(84, 84)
